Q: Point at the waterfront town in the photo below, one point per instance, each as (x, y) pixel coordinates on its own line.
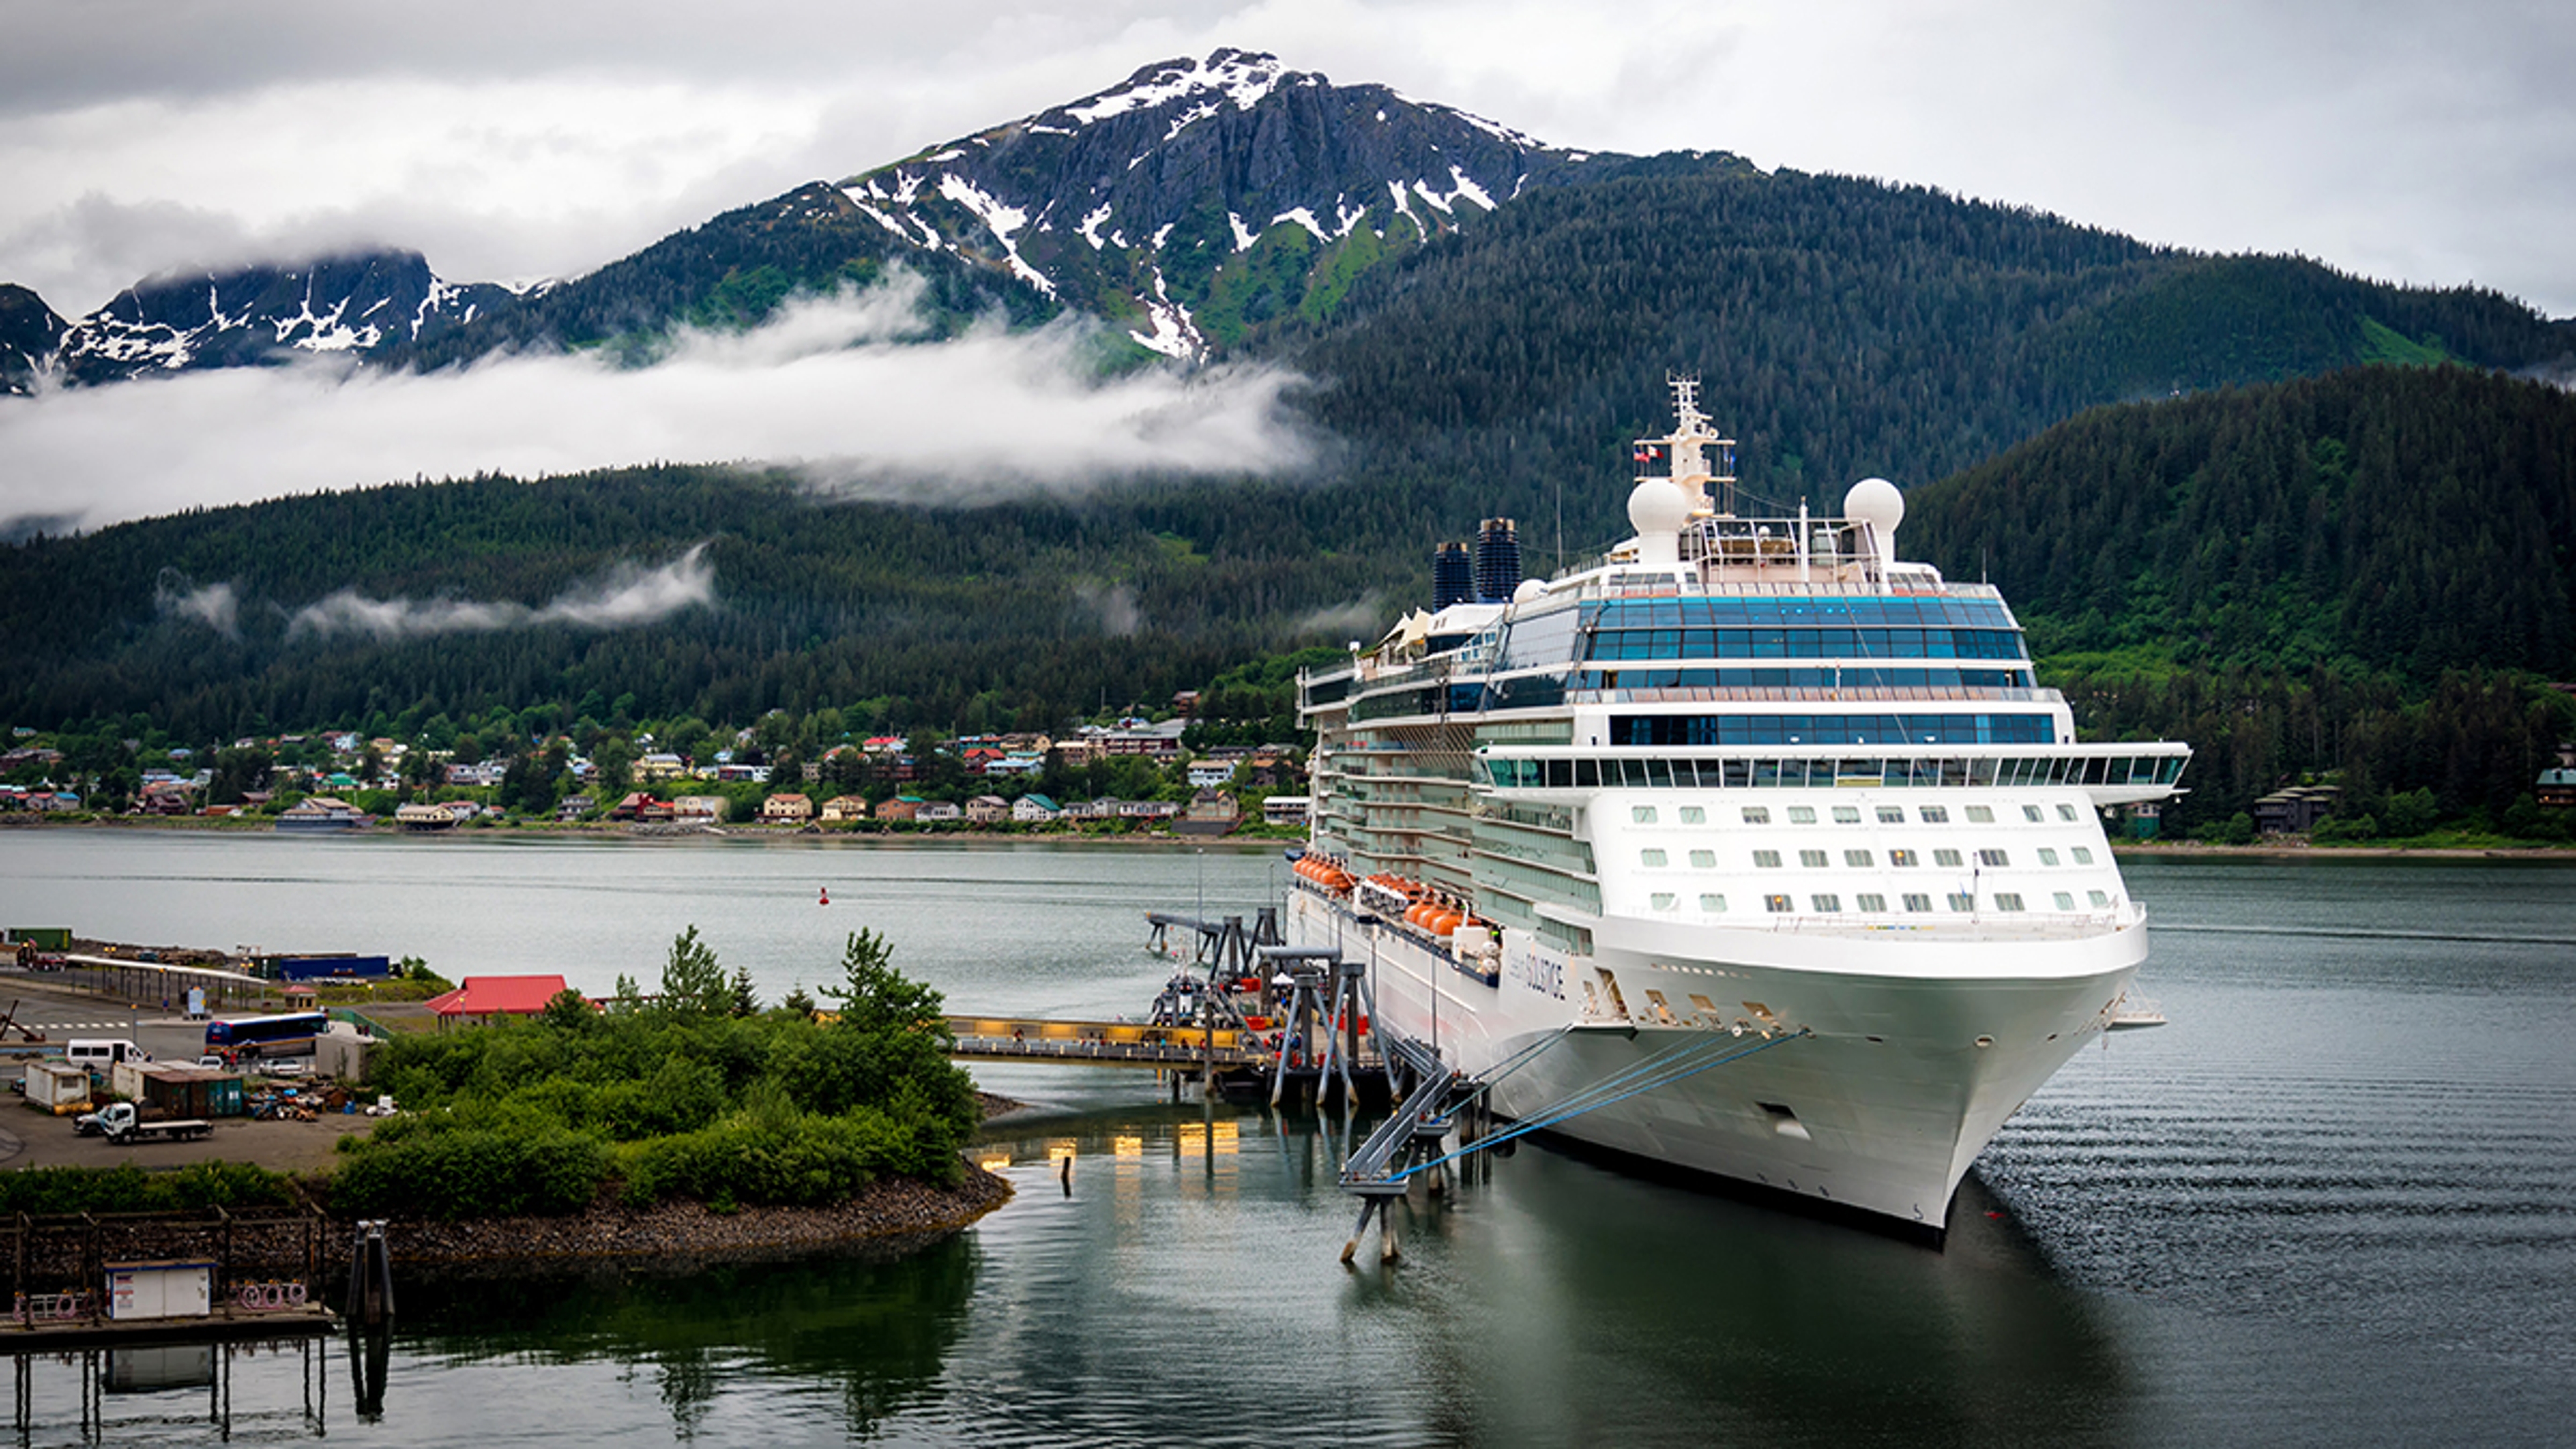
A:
(1118, 775)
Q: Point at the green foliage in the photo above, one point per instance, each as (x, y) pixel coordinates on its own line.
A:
(693, 980)
(874, 998)
(126, 1188)
(466, 1173)
(759, 1108)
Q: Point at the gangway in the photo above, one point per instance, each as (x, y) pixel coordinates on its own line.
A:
(1100, 1043)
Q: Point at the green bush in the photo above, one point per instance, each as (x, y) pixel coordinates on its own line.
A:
(768, 1108)
(468, 1173)
(128, 1188)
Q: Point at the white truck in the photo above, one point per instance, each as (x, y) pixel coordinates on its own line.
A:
(120, 1123)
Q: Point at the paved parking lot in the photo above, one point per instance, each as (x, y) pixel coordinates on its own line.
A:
(29, 1138)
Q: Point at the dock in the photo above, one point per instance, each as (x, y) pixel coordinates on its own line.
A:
(1101, 1043)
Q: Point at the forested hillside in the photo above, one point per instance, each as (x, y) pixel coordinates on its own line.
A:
(1842, 328)
(2372, 572)
(235, 620)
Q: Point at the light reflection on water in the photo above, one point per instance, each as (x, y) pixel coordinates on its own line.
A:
(2330, 1203)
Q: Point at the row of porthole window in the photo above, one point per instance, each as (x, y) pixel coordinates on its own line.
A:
(1850, 814)
(1654, 857)
(1827, 903)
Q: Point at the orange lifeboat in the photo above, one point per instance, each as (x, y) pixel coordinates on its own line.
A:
(1444, 920)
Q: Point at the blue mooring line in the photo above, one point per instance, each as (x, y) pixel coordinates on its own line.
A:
(1543, 1123)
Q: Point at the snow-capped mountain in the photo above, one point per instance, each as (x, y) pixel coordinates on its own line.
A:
(1200, 197)
(263, 314)
(29, 332)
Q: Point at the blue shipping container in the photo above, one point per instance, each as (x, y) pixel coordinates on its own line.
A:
(330, 968)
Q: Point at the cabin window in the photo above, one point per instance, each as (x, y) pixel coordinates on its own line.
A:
(1846, 815)
(1767, 859)
(1980, 815)
(1776, 903)
(2047, 856)
(1652, 857)
(1663, 900)
(1857, 859)
(1802, 815)
(1905, 858)
(2066, 900)
(1812, 859)
(1992, 857)
(2083, 855)
(1704, 859)
(1918, 903)
(2007, 901)
(1642, 814)
(1694, 815)
(1962, 901)
(2031, 812)
(1712, 902)
(1757, 815)
(2065, 812)
(1891, 814)
(1947, 857)
(1875, 904)
(2100, 901)
(1826, 904)
(1934, 815)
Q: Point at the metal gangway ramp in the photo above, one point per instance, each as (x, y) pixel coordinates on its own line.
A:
(1099, 1043)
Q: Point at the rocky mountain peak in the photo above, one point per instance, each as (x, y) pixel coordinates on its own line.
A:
(1197, 199)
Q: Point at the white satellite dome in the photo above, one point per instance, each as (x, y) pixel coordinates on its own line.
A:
(1656, 506)
(1529, 589)
(1876, 502)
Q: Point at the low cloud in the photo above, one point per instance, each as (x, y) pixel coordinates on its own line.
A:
(217, 606)
(625, 596)
(1116, 605)
(1360, 619)
(834, 388)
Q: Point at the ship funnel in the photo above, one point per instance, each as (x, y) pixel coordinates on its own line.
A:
(1498, 560)
(1453, 576)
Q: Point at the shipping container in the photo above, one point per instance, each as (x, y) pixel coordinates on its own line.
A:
(334, 968)
(58, 1087)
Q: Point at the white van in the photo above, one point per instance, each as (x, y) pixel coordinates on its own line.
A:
(100, 1053)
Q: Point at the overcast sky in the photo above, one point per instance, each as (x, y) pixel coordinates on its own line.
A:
(2424, 143)
(2429, 143)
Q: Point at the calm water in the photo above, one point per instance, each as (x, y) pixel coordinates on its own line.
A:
(2334, 1202)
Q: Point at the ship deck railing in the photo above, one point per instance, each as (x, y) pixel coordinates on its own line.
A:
(1822, 694)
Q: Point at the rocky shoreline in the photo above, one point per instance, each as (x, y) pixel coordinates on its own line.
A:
(895, 1208)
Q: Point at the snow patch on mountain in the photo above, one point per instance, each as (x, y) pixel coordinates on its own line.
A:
(1237, 76)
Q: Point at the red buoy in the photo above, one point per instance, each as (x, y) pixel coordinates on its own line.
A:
(827, 897)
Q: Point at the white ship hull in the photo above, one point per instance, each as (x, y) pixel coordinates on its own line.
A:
(1870, 1077)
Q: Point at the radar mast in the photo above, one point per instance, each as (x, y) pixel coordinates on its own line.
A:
(1690, 442)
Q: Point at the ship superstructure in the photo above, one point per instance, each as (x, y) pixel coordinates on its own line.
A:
(1745, 775)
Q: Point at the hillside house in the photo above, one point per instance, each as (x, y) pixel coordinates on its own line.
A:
(1034, 809)
(1210, 812)
(841, 809)
(704, 809)
(902, 807)
(988, 810)
(786, 808)
(933, 811)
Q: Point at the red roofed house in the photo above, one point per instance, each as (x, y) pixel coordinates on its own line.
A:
(482, 998)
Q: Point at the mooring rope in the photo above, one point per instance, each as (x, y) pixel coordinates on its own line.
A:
(1564, 1111)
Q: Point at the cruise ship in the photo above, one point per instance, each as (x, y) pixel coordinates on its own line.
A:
(1747, 849)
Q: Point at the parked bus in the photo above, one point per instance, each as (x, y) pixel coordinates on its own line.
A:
(290, 1035)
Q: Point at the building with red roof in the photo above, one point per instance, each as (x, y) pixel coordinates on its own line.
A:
(482, 998)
